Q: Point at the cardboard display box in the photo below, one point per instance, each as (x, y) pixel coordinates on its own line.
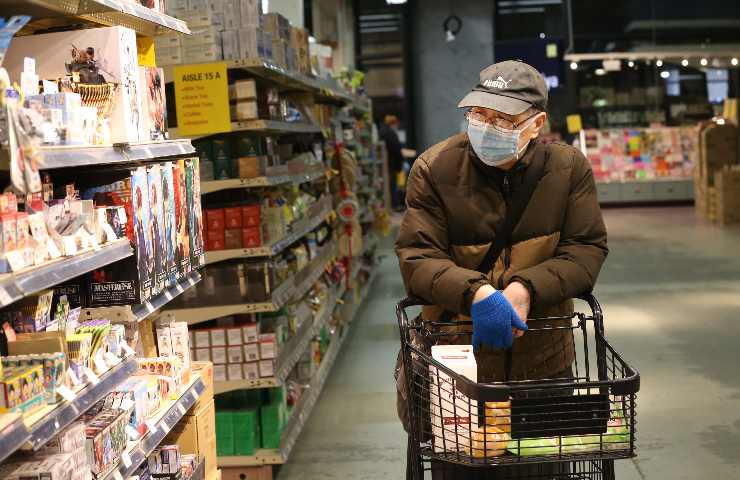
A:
(195, 433)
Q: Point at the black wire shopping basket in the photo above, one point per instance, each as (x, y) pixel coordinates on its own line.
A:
(571, 427)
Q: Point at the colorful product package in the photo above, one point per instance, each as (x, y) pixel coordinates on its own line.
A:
(170, 221)
(192, 184)
(143, 231)
(157, 225)
(182, 254)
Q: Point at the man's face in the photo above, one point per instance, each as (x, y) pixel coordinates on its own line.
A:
(530, 124)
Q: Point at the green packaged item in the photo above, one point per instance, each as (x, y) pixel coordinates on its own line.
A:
(246, 432)
(272, 422)
(535, 446)
(248, 146)
(224, 433)
(222, 164)
(617, 437)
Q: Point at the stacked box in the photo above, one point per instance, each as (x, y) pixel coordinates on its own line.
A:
(727, 183)
(246, 432)
(225, 433)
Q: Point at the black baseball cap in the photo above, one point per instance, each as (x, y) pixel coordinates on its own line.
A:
(510, 87)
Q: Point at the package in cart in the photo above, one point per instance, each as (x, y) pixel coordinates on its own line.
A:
(452, 419)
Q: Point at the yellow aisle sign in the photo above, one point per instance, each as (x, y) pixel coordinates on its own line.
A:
(145, 49)
(574, 123)
(202, 99)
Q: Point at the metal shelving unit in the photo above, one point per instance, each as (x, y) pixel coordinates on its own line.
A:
(210, 186)
(58, 13)
(138, 451)
(137, 313)
(280, 296)
(306, 403)
(290, 352)
(66, 156)
(14, 286)
(13, 435)
(275, 247)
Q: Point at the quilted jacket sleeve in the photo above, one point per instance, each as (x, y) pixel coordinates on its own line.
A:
(581, 250)
(422, 247)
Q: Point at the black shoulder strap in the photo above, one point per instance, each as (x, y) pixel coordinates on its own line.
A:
(519, 201)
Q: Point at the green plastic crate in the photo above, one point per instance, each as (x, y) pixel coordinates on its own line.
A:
(224, 433)
(246, 432)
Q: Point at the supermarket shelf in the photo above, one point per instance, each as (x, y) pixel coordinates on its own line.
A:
(305, 405)
(275, 247)
(14, 286)
(290, 353)
(55, 417)
(654, 190)
(102, 12)
(137, 453)
(210, 186)
(84, 156)
(137, 313)
(274, 126)
(13, 434)
(280, 296)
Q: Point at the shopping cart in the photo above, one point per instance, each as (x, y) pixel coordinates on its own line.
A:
(572, 427)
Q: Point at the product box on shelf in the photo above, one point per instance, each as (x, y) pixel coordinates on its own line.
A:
(170, 221)
(92, 56)
(156, 218)
(134, 390)
(192, 185)
(143, 228)
(182, 217)
(195, 433)
(21, 388)
(153, 103)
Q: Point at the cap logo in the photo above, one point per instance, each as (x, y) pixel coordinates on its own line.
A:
(498, 83)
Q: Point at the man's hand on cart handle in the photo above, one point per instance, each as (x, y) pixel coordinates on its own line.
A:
(518, 296)
(494, 319)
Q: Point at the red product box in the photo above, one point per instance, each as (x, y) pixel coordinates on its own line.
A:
(251, 237)
(215, 219)
(216, 239)
(251, 216)
(233, 217)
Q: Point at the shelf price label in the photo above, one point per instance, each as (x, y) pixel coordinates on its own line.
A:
(202, 99)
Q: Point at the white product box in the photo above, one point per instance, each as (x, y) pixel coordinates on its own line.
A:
(180, 346)
(202, 53)
(201, 36)
(452, 419)
(164, 342)
(268, 346)
(232, 19)
(251, 332)
(202, 338)
(251, 371)
(243, 90)
(250, 13)
(218, 355)
(168, 56)
(235, 372)
(230, 44)
(234, 336)
(235, 354)
(196, 18)
(251, 352)
(219, 373)
(114, 51)
(167, 41)
(267, 368)
(247, 110)
(203, 354)
(218, 337)
(153, 104)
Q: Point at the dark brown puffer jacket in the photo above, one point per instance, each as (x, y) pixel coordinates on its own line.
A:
(455, 203)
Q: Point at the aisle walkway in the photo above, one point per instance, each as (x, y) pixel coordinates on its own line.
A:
(671, 293)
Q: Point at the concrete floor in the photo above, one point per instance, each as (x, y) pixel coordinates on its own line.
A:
(671, 296)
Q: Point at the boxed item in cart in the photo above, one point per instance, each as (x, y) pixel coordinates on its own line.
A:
(453, 422)
(94, 56)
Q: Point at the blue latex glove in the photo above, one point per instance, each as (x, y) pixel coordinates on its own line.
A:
(493, 319)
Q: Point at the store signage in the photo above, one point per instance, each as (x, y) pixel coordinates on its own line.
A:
(202, 99)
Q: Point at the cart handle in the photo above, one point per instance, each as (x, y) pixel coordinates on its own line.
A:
(411, 301)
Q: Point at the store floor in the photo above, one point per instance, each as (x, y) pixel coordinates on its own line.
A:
(671, 295)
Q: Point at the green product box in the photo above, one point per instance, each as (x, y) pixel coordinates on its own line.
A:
(222, 163)
(246, 432)
(224, 433)
(204, 149)
(248, 146)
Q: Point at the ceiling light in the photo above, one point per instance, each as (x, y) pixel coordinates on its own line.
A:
(573, 66)
(665, 74)
(734, 62)
(704, 62)
(600, 72)
(659, 63)
(685, 62)
(631, 64)
(395, 2)
(542, 35)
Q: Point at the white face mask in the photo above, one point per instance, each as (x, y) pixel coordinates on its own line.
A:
(496, 146)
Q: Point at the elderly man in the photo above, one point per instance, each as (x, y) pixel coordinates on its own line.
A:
(501, 227)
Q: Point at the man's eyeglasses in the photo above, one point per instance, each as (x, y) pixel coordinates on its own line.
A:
(497, 121)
